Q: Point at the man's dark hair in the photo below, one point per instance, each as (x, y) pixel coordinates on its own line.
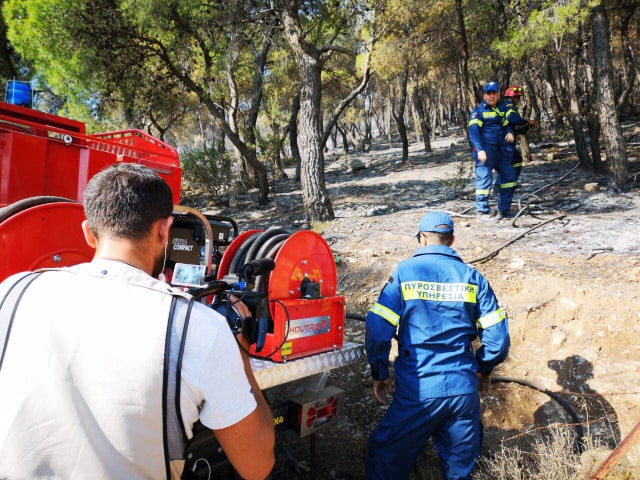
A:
(439, 238)
(125, 199)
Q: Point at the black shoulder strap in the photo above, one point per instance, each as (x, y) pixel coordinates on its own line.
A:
(166, 404)
(9, 305)
(183, 341)
(175, 437)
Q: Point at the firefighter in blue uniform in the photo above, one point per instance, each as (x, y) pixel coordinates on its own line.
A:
(436, 305)
(488, 130)
(520, 125)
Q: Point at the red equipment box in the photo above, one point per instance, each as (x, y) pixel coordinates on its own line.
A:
(305, 328)
(44, 154)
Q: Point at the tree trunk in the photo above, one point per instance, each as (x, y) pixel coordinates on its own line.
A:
(630, 71)
(232, 109)
(388, 117)
(594, 139)
(345, 140)
(533, 107)
(523, 141)
(256, 88)
(398, 113)
(424, 123)
(465, 88)
(613, 140)
(293, 133)
(575, 120)
(274, 151)
(315, 197)
(346, 101)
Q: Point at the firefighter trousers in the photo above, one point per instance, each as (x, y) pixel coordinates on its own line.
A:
(453, 422)
(484, 179)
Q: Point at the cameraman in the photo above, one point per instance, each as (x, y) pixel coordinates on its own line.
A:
(99, 378)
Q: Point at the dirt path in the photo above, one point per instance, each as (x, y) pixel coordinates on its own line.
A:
(571, 287)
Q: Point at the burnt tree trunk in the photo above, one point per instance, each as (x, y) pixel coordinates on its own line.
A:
(397, 111)
(594, 139)
(293, 133)
(345, 140)
(612, 138)
(422, 118)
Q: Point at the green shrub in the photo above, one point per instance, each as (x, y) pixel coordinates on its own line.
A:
(205, 172)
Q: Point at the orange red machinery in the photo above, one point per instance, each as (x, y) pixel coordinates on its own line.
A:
(305, 314)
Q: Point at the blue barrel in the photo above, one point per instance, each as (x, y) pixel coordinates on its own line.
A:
(18, 93)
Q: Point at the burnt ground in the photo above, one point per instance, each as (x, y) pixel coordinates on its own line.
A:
(571, 288)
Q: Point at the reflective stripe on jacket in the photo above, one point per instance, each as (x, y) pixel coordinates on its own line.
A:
(510, 113)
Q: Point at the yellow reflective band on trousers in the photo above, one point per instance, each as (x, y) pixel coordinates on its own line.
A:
(389, 315)
(509, 185)
(483, 192)
(516, 165)
(439, 292)
(492, 318)
(476, 121)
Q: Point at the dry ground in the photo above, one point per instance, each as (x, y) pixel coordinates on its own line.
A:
(571, 287)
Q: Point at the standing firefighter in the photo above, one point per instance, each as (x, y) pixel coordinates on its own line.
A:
(438, 306)
(488, 130)
(520, 125)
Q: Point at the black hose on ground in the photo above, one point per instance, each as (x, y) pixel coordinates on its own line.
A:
(521, 209)
(490, 255)
(578, 446)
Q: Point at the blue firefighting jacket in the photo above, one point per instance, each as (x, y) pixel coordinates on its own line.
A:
(438, 305)
(508, 109)
(487, 127)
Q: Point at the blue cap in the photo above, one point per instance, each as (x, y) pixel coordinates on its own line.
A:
(491, 87)
(438, 222)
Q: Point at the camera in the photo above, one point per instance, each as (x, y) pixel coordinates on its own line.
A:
(233, 289)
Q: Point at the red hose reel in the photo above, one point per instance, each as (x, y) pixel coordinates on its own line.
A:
(306, 316)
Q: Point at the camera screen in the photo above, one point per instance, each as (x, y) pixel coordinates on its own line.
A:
(188, 275)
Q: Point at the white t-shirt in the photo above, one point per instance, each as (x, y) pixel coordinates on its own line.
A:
(83, 374)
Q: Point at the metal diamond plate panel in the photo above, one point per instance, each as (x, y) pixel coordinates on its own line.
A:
(270, 374)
